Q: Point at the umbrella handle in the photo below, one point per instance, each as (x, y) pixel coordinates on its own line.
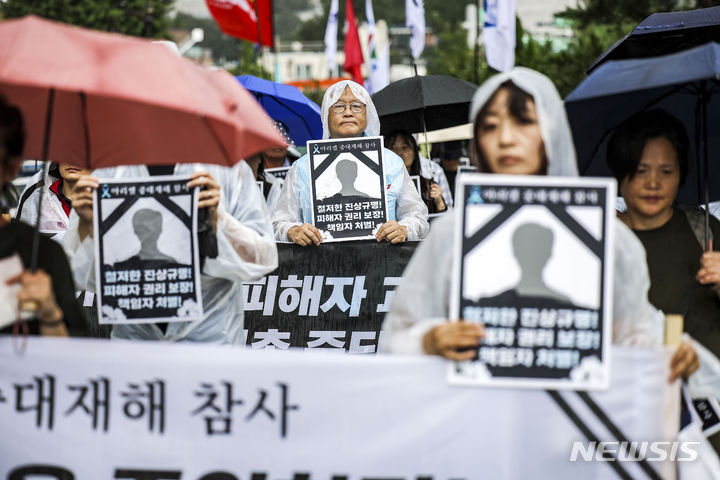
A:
(46, 145)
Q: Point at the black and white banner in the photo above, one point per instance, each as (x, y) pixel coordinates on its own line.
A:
(533, 264)
(103, 410)
(348, 187)
(146, 251)
(333, 296)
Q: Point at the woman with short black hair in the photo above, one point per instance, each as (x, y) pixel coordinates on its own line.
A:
(648, 155)
(434, 188)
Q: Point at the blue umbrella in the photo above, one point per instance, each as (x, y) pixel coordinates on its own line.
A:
(287, 104)
(684, 84)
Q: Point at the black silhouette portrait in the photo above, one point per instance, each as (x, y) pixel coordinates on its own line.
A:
(532, 246)
(347, 172)
(148, 225)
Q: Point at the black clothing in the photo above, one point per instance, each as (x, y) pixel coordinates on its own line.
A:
(161, 169)
(673, 257)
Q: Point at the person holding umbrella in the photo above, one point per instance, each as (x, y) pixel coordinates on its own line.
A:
(520, 128)
(49, 290)
(434, 188)
(348, 111)
(648, 155)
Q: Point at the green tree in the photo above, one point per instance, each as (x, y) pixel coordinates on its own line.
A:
(596, 25)
(225, 49)
(450, 55)
(142, 18)
(248, 64)
(286, 20)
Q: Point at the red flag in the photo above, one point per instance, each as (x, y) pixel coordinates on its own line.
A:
(247, 19)
(353, 52)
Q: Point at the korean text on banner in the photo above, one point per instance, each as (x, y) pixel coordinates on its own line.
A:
(90, 409)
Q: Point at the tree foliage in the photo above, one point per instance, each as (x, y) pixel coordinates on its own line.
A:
(225, 49)
(596, 25)
(142, 18)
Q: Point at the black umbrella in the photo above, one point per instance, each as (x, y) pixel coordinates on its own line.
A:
(684, 84)
(665, 33)
(423, 103)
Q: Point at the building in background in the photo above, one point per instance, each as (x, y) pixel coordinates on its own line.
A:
(304, 63)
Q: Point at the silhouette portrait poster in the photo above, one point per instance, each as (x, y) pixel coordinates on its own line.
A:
(348, 187)
(146, 251)
(533, 264)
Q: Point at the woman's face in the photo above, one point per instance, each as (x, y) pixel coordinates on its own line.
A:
(72, 173)
(347, 123)
(650, 194)
(404, 150)
(510, 145)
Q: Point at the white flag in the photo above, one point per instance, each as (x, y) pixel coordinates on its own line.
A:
(415, 20)
(379, 73)
(331, 36)
(498, 34)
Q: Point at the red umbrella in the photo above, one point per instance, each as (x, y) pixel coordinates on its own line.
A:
(103, 99)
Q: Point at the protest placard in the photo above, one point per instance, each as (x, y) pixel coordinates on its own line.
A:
(98, 410)
(146, 252)
(348, 187)
(533, 264)
(278, 172)
(416, 181)
(708, 411)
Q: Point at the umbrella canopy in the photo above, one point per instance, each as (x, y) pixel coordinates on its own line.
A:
(665, 33)
(101, 100)
(420, 103)
(287, 104)
(684, 84)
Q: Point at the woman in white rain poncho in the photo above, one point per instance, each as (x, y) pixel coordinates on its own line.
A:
(246, 249)
(55, 189)
(520, 127)
(407, 213)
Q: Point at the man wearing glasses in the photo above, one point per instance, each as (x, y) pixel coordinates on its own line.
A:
(347, 112)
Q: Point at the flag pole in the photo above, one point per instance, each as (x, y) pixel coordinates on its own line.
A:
(259, 50)
(476, 56)
(257, 15)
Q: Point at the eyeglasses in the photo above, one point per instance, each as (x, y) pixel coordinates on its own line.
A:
(355, 107)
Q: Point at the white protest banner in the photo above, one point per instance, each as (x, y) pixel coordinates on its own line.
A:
(533, 263)
(348, 198)
(146, 251)
(102, 410)
(330, 298)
